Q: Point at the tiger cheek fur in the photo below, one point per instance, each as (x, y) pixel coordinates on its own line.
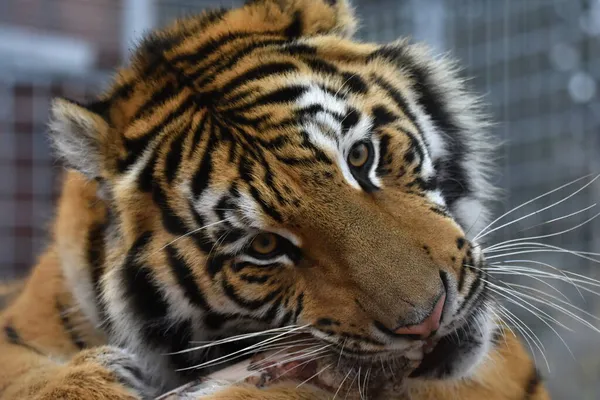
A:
(255, 168)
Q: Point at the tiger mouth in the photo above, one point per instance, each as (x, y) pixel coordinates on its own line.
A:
(446, 357)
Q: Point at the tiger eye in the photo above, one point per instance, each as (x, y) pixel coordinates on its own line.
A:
(264, 243)
(359, 155)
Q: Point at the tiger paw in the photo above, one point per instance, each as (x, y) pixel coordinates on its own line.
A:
(102, 373)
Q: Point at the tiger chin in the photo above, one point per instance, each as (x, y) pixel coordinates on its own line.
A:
(256, 168)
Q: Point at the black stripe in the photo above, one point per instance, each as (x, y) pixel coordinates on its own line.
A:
(267, 208)
(201, 178)
(168, 91)
(200, 237)
(384, 157)
(255, 279)
(95, 259)
(294, 29)
(231, 292)
(214, 321)
(178, 337)
(13, 337)
(299, 307)
(68, 327)
(172, 222)
(296, 160)
(136, 147)
(230, 235)
(198, 133)
(229, 61)
(350, 120)
(246, 168)
(414, 147)
(185, 278)
(311, 110)
(327, 322)
(175, 154)
(283, 95)
(215, 264)
(142, 291)
(319, 65)
(399, 99)
(285, 320)
(533, 384)
(354, 83)
(257, 73)
(382, 116)
(319, 154)
(212, 46)
(475, 286)
(353, 336)
(298, 49)
(145, 179)
(272, 311)
(269, 178)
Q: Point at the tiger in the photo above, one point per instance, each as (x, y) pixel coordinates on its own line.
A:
(257, 168)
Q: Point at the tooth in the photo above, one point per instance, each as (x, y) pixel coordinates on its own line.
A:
(414, 354)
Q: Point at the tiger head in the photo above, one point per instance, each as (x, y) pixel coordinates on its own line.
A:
(261, 169)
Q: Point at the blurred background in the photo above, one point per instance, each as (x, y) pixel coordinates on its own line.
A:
(535, 62)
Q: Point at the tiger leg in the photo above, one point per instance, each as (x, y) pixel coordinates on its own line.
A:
(48, 350)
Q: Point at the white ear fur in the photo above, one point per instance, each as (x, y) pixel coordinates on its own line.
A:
(76, 134)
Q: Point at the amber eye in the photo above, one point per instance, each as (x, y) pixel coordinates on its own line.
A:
(264, 243)
(359, 155)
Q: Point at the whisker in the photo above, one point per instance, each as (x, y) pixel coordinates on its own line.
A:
(559, 218)
(562, 276)
(538, 245)
(317, 374)
(555, 306)
(550, 234)
(320, 354)
(508, 271)
(254, 346)
(482, 234)
(293, 356)
(342, 384)
(258, 371)
(541, 292)
(358, 383)
(351, 384)
(542, 317)
(558, 249)
(185, 235)
(250, 335)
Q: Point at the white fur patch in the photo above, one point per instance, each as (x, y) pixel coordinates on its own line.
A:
(472, 214)
(339, 145)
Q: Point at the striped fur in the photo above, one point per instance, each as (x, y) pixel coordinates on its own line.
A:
(239, 122)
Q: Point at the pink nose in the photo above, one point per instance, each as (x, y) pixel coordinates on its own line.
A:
(429, 325)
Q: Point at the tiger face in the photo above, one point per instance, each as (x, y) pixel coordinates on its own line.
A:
(260, 169)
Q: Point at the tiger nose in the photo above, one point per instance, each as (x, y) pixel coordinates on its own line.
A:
(429, 325)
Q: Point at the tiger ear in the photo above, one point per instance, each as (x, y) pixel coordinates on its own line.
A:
(77, 133)
(315, 17)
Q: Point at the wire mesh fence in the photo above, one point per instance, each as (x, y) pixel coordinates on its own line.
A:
(536, 63)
